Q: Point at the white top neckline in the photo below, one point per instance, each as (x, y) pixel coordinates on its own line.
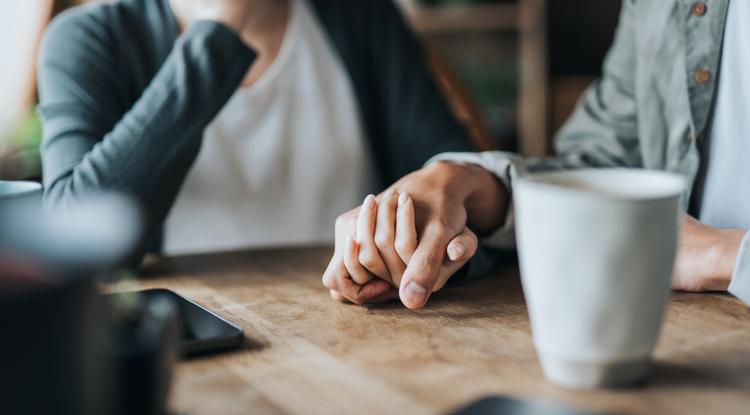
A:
(291, 33)
(282, 159)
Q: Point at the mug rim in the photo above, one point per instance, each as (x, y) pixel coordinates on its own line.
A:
(19, 188)
(674, 184)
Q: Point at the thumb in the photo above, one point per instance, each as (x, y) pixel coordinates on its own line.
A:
(463, 247)
(460, 250)
(423, 269)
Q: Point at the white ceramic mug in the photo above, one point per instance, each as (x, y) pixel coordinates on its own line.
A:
(597, 250)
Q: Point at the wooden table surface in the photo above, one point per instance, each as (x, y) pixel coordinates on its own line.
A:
(306, 354)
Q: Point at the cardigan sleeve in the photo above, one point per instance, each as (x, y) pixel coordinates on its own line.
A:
(96, 140)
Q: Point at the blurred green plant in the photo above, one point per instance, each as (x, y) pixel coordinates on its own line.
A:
(19, 149)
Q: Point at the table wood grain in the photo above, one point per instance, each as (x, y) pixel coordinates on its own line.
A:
(306, 354)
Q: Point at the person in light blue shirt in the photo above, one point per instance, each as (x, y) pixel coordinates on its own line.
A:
(674, 96)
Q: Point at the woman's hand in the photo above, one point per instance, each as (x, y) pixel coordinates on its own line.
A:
(706, 257)
(379, 241)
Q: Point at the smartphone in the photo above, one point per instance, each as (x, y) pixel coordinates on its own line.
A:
(203, 331)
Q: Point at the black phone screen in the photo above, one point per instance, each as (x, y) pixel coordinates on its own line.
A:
(203, 331)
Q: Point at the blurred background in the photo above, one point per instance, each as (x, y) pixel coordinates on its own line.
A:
(512, 69)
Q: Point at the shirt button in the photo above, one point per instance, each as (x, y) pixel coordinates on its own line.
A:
(702, 76)
(699, 9)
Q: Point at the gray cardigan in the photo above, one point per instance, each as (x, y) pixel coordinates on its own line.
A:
(124, 100)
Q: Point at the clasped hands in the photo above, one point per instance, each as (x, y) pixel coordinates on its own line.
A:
(412, 238)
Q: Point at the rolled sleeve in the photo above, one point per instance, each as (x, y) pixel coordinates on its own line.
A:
(506, 167)
(740, 284)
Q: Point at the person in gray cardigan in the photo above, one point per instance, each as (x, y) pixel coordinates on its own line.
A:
(674, 96)
(236, 123)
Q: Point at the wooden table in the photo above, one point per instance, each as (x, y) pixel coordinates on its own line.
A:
(310, 355)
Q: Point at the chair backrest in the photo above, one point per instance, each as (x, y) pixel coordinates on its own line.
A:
(461, 101)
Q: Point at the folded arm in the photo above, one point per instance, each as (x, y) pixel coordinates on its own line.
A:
(98, 137)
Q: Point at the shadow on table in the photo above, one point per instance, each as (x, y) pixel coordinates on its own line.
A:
(248, 345)
(673, 375)
(493, 296)
(307, 259)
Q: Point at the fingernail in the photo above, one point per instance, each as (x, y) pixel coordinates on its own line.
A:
(369, 200)
(402, 198)
(456, 251)
(415, 294)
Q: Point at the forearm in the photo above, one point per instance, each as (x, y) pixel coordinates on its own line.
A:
(199, 76)
(145, 152)
(487, 204)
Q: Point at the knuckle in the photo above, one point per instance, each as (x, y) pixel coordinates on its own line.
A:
(427, 262)
(383, 241)
(404, 246)
(342, 222)
(367, 259)
(439, 227)
(329, 280)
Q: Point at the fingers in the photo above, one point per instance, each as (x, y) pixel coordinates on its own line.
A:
(422, 272)
(338, 297)
(460, 250)
(368, 256)
(351, 259)
(337, 278)
(385, 230)
(406, 229)
(463, 246)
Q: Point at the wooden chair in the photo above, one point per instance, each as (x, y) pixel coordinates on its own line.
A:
(461, 101)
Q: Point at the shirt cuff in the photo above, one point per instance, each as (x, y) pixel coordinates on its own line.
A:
(740, 284)
(506, 167)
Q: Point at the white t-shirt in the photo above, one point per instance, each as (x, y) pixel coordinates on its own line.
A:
(725, 202)
(282, 159)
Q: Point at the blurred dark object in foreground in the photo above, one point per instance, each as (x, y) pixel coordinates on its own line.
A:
(143, 348)
(64, 350)
(67, 351)
(501, 405)
(48, 357)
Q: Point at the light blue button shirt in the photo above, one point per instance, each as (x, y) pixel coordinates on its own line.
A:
(653, 99)
(725, 199)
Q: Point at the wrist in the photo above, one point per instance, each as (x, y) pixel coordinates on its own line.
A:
(483, 196)
(728, 248)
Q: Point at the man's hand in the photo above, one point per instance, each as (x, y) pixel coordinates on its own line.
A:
(706, 257)
(442, 199)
